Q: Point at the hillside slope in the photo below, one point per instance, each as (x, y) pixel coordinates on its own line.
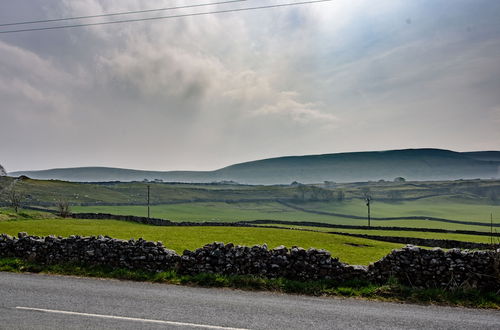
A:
(412, 164)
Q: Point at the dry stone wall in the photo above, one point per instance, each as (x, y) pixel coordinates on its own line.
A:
(442, 243)
(295, 263)
(410, 265)
(106, 251)
(437, 268)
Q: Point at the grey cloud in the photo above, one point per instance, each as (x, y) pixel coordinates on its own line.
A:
(333, 77)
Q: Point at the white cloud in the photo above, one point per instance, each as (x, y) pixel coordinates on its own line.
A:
(287, 107)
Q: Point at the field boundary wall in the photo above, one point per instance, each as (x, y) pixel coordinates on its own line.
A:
(410, 265)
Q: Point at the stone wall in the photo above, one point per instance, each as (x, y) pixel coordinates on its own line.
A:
(442, 243)
(391, 228)
(410, 265)
(105, 251)
(153, 221)
(295, 263)
(440, 269)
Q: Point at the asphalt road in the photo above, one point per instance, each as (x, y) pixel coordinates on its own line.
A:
(30, 301)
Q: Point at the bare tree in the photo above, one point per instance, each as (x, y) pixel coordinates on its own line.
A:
(63, 208)
(340, 195)
(368, 199)
(2, 171)
(14, 198)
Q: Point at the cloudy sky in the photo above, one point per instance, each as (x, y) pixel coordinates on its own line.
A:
(203, 92)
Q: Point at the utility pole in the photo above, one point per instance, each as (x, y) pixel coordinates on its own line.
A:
(491, 228)
(148, 201)
(368, 200)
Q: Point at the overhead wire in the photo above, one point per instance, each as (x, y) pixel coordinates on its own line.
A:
(167, 17)
(121, 13)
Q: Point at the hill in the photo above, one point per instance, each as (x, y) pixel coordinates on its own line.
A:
(412, 164)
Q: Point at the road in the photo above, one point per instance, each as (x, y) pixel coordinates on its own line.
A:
(30, 301)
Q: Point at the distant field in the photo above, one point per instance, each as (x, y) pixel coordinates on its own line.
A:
(215, 211)
(232, 212)
(47, 192)
(180, 238)
(428, 224)
(437, 207)
(417, 234)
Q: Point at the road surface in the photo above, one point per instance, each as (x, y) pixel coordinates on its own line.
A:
(30, 301)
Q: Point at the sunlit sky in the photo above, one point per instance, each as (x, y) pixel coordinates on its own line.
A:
(203, 92)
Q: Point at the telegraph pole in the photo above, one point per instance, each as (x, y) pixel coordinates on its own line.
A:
(368, 200)
(491, 228)
(148, 201)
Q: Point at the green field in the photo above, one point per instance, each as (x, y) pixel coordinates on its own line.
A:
(215, 211)
(416, 234)
(437, 207)
(180, 238)
(47, 192)
(463, 200)
(233, 212)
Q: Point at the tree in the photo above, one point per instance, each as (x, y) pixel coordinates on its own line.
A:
(14, 198)
(329, 184)
(399, 179)
(340, 195)
(63, 208)
(2, 171)
(368, 199)
(301, 192)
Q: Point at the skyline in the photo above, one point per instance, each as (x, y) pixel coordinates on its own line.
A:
(201, 93)
(247, 161)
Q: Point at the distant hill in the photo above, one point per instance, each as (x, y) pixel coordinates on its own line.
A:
(484, 155)
(411, 164)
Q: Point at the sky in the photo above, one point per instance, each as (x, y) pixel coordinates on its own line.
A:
(204, 92)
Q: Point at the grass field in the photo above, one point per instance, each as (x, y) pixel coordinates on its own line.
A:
(215, 211)
(46, 192)
(180, 238)
(437, 207)
(454, 200)
(416, 234)
(232, 212)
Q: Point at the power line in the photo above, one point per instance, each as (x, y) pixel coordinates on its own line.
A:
(121, 13)
(167, 17)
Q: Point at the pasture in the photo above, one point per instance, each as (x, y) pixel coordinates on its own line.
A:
(248, 211)
(470, 202)
(416, 233)
(436, 207)
(348, 249)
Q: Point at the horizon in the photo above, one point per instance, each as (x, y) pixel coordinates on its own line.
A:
(247, 161)
(201, 93)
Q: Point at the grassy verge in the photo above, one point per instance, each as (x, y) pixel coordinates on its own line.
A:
(391, 291)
